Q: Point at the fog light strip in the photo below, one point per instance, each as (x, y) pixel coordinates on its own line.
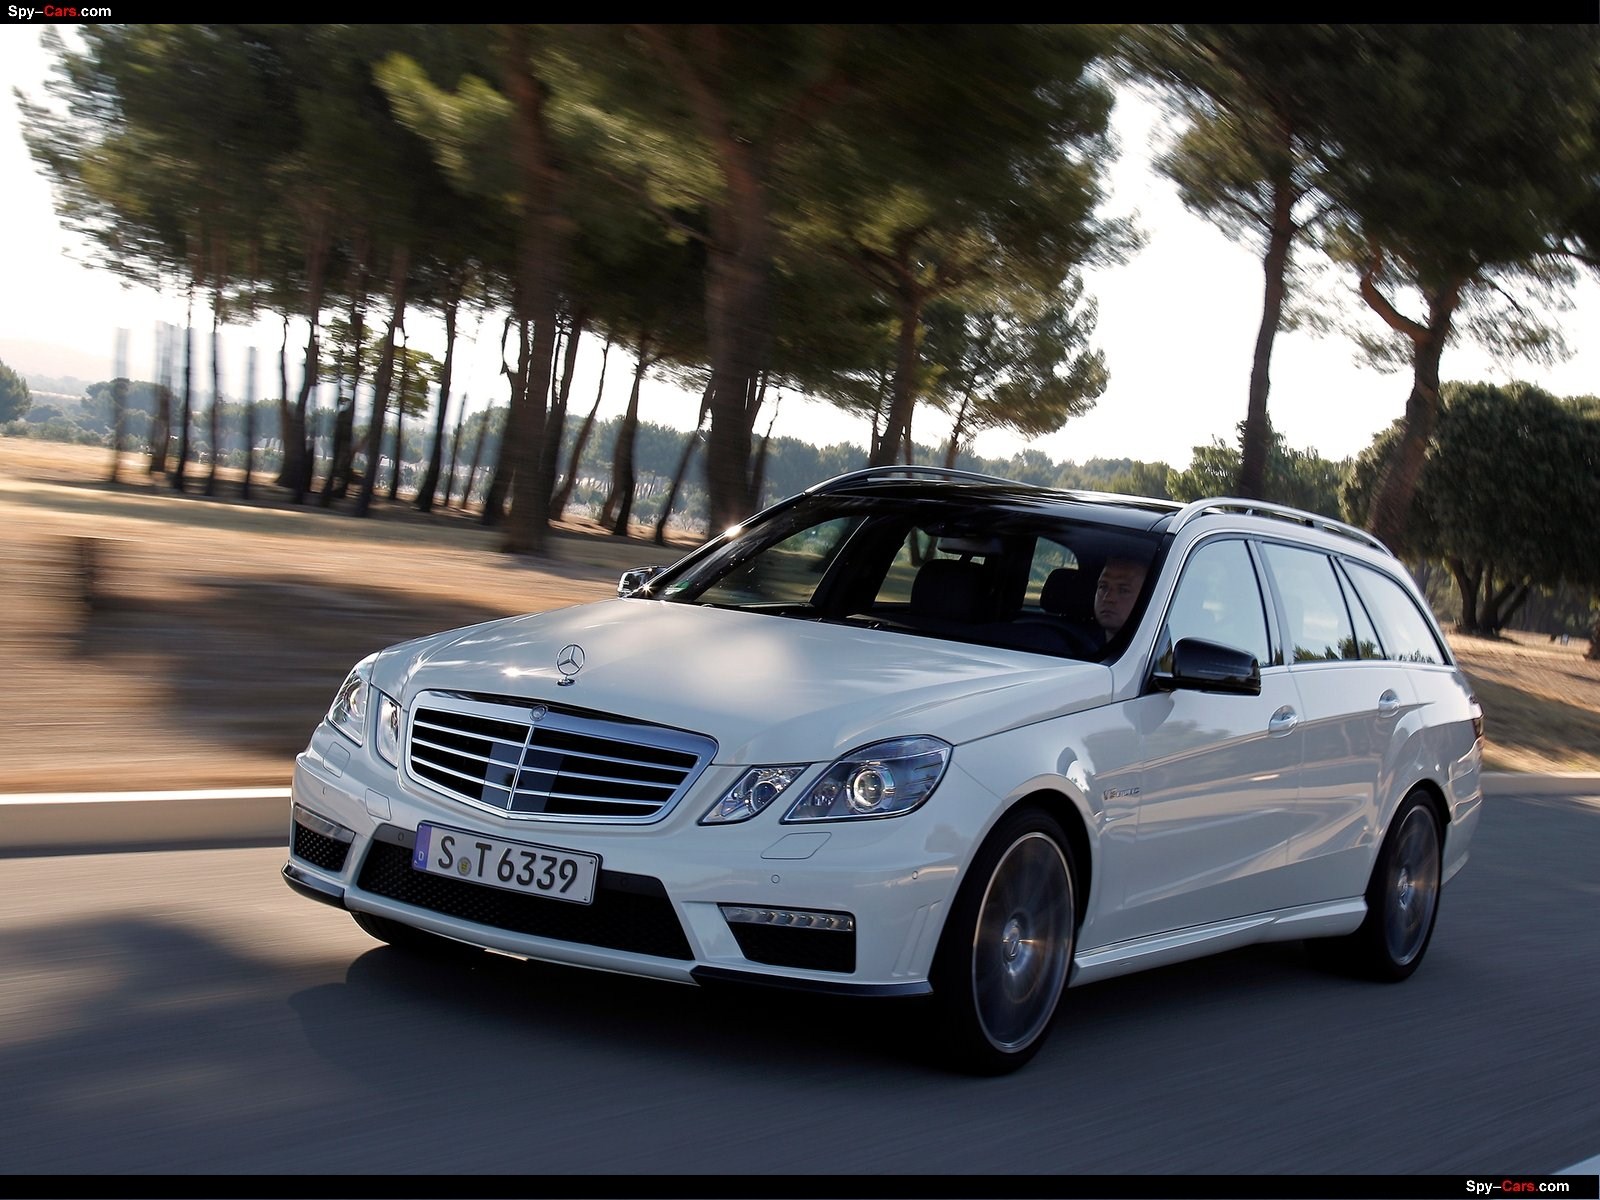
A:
(318, 823)
(792, 918)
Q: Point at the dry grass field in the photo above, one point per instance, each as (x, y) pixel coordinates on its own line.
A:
(217, 631)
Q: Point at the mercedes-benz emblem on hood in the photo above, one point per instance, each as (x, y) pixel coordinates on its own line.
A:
(569, 662)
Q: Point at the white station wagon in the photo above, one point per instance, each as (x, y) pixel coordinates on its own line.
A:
(920, 733)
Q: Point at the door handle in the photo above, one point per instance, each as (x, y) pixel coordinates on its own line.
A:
(1282, 721)
(1388, 704)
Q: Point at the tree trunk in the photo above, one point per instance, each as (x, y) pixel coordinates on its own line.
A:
(737, 292)
(622, 474)
(690, 444)
(758, 473)
(249, 419)
(477, 456)
(430, 481)
(1468, 579)
(896, 440)
(958, 429)
(214, 417)
(296, 469)
(400, 270)
(563, 496)
(1397, 482)
(739, 249)
(1257, 430)
(338, 436)
(283, 390)
(119, 403)
(341, 460)
(1594, 640)
(161, 425)
(1501, 606)
(455, 452)
(555, 422)
(541, 253)
(400, 420)
(494, 501)
(188, 395)
(558, 422)
(341, 470)
(1514, 605)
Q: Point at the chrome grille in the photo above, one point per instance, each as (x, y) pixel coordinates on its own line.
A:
(535, 761)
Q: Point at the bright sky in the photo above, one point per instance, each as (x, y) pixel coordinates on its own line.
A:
(1177, 324)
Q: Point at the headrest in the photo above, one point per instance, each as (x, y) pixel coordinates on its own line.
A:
(1069, 592)
(950, 588)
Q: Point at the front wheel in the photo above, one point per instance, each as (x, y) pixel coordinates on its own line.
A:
(1006, 951)
(1402, 900)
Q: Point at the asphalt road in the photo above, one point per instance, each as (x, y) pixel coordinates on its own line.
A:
(183, 1012)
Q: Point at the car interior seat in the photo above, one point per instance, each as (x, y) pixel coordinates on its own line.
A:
(950, 590)
(1069, 592)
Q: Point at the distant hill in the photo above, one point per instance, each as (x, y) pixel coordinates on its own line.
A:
(52, 368)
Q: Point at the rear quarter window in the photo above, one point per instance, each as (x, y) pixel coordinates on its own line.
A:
(1407, 635)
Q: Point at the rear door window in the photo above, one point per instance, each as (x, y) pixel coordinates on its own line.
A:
(1317, 624)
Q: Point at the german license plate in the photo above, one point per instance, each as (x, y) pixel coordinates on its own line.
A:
(514, 866)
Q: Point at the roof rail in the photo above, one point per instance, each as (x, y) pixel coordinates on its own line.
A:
(909, 472)
(1126, 498)
(1261, 508)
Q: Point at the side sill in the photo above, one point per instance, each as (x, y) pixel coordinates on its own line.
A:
(1328, 919)
(310, 886)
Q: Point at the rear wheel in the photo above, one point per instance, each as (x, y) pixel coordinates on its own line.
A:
(1402, 900)
(1006, 951)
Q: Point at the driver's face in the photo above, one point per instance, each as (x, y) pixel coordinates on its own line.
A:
(1115, 593)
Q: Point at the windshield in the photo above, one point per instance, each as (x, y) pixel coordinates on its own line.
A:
(955, 569)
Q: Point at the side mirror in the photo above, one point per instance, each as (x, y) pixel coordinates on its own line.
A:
(632, 581)
(1209, 667)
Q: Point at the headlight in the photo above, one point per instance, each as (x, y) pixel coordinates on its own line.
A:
(881, 780)
(388, 743)
(348, 713)
(757, 788)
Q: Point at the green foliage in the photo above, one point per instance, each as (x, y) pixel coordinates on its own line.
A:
(1137, 479)
(1507, 494)
(15, 399)
(467, 128)
(1249, 99)
(1027, 371)
(1451, 166)
(1476, 142)
(1300, 478)
(1469, 161)
(889, 173)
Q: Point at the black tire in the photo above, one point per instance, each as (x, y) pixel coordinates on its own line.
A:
(1006, 952)
(409, 938)
(1402, 901)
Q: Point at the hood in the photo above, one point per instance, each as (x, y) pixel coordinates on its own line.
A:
(767, 688)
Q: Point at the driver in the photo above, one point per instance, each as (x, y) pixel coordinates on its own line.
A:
(1115, 593)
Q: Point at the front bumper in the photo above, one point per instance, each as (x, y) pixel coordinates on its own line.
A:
(666, 890)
